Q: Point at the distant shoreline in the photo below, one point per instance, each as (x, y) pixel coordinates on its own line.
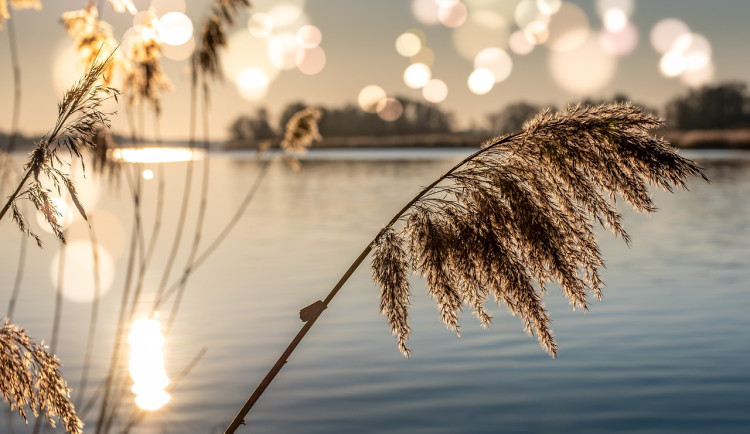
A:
(691, 139)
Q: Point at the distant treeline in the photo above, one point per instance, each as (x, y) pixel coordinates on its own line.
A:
(718, 107)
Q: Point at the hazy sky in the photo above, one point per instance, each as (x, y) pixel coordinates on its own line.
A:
(359, 41)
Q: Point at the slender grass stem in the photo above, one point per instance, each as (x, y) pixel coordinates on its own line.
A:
(276, 368)
(88, 354)
(19, 276)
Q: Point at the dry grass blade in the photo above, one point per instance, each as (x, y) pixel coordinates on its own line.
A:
(31, 378)
(519, 214)
(213, 36)
(79, 118)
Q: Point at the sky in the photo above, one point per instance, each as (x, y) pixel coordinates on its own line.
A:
(473, 57)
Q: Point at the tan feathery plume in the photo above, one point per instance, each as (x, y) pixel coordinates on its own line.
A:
(26, 4)
(31, 378)
(4, 14)
(91, 37)
(213, 36)
(121, 6)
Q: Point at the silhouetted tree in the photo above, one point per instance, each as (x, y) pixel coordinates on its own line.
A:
(252, 128)
(711, 107)
(512, 117)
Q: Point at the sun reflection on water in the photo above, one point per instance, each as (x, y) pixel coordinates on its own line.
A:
(156, 155)
(147, 364)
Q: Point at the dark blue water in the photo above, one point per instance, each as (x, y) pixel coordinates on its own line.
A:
(667, 351)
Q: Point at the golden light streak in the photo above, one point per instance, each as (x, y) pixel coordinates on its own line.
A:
(156, 155)
(147, 364)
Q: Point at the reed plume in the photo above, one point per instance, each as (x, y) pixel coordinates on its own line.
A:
(31, 378)
(91, 36)
(79, 117)
(213, 36)
(512, 217)
(121, 6)
(520, 214)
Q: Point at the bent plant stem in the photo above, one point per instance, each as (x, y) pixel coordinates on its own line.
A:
(319, 306)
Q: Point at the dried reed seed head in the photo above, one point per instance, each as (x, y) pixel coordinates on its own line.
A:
(121, 6)
(519, 213)
(390, 270)
(302, 131)
(213, 36)
(4, 14)
(31, 378)
(26, 4)
(92, 36)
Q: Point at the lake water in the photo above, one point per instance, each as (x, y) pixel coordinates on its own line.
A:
(667, 351)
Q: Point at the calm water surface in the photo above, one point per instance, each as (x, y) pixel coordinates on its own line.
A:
(667, 351)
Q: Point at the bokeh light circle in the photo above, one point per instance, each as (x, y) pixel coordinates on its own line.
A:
(389, 109)
(252, 83)
(666, 32)
(310, 61)
(497, 61)
(483, 28)
(282, 50)
(452, 14)
(620, 43)
(417, 75)
(309, 36)
(435, 91)
(549, 7)
(175, 28)
(179, 52)
(425, 11)
(527, 12)
(425, 55)
(568, 29)
(369, 97)
(481, 81)
(519, 43)
(584, 70)
(260, 24)
(162, 7)
(78, 277)
(408, 44)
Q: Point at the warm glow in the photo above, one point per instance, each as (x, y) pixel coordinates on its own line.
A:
(148, 174)
(568, 29)
(417, 75)
(435, 91)
(252, 84)
(519, 43)
(156, 155)
(483, 28)
(282, 50)
(175, 28)
(425, 55)
(389, 109)
(309, 36)
(537, 32)
(527, 12)
(369, 97)
(147, 364)
(666, 32)
(408, 44)
(585, 70)
(672, 64)
(285, 14)
(481, 81)
(64, 214)
(162, 7)
(615, 20)
(549, 7)
(425, 11)
(310, 61)
(179, 52)
(452, 14)
(620, 43)
(260, 24)
(496, 60)
(78, 283)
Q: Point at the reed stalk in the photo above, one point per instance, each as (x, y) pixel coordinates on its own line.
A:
(511, 217)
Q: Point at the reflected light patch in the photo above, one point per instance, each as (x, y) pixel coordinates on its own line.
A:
(78, 276)
(147, 364)
(260, 25)
(584, 70)
(482, 29)
(156, 155)
(389, 109)
(309, 36)
(282, 50)
(369, 97)
(408, 44)
(148, 174)
(481, 81)
(497, 61)
(519, 43)
(620, 43)
(435, 91)
(179, 52)
(417, 75)
(425, 11)
(64, 217)
(568, 29)
(548, 7)
(452, 14)
(310, 61)
(615, 20)
(666, 32)
(175, 28)
(162, 7)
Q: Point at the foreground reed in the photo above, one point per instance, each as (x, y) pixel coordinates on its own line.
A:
(513, 217)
